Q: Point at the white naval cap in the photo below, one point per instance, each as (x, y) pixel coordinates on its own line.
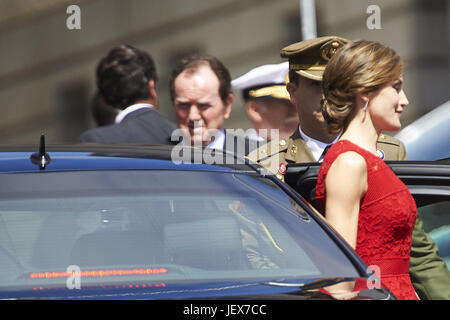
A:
(264, 81)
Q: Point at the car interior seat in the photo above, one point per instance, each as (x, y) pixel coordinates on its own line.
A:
(114, 248)
(211, 244)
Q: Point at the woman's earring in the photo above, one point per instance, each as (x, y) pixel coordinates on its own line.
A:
(365, 106)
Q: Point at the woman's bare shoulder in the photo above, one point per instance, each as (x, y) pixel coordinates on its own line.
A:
(350, 160)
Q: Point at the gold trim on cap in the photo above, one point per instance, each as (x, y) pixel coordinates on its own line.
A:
(316, 67)
(276, 91)
(317, 76)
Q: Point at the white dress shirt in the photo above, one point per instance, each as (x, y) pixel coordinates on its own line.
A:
(123, 113)
(218, 143)
(317, 147)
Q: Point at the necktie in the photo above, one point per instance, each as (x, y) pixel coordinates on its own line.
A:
(324, 152)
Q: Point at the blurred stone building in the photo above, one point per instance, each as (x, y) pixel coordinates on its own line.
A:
(47, 70)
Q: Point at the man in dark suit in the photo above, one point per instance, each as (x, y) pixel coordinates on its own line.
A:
(200, 89)
(102, 113)
(126, 80)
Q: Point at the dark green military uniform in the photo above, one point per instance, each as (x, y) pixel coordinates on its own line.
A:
(429, 273)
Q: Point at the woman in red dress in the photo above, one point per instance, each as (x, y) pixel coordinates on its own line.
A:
(360, 195)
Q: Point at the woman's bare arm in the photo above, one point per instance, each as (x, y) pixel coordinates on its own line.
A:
(345, 185)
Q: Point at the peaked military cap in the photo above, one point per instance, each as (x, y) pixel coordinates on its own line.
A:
(268, 80)
(310, 57)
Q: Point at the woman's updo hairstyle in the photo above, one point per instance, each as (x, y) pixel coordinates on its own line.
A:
(360, 66)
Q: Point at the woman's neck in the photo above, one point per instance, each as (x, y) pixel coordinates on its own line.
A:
(361, 132)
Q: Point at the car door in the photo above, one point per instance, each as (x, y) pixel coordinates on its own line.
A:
(428, 182)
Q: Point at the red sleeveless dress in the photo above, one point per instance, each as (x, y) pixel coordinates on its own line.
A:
(386, 219)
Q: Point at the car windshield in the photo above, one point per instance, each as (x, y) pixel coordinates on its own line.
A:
(155, 226)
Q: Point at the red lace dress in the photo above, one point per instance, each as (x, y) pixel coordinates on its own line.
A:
(386, 219)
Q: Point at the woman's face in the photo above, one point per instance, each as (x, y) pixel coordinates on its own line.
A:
(386, 106)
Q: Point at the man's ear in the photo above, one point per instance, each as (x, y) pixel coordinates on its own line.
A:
(291, 88)
(153, 95)
(253, 111)
(228, 106)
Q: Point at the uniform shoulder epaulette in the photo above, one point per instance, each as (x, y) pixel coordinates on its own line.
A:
(384, 138)
(390, 148)
(268, 150)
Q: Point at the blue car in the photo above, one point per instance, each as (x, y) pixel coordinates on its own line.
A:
(129, 222)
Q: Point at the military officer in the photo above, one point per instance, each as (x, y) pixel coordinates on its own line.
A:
(267, 101)
(307, 61)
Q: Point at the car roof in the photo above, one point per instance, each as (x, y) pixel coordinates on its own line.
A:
(428, 138)
(91, 156)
